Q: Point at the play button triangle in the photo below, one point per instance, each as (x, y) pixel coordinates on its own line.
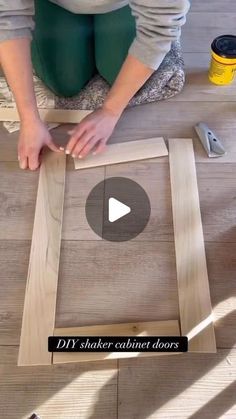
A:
(117, 210)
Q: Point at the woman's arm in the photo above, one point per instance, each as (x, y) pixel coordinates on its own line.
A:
(16, 63)
(96, 128)
(131, 78)
(15, 36)
(158, 23)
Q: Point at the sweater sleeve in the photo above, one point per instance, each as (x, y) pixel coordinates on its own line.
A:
(16, 19)
(158, 23)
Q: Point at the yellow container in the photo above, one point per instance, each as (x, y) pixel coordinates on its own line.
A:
(223, 61)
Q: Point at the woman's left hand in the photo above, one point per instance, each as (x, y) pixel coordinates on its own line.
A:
(92, 133)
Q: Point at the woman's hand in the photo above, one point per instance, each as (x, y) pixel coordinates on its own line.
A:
(33, 136)
(92, 133)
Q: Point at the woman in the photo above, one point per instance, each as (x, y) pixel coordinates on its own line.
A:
(125, 40)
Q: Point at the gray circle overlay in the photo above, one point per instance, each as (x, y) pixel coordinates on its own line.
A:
(129, 193)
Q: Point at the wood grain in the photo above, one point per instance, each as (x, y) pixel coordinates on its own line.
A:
(78, 186)
(68, 391)
(184, 116)
(102, 282)
(17, 203)
(200, 30)
(216, 188)
(94, 298)
(157, 328)
(48, 115)
(154, 178)
(18, 208)
(122, 152)
(192, 277)
(41, 287)
(216, 6)
(196, 386)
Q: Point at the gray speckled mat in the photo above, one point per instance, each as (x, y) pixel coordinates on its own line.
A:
(166, 82)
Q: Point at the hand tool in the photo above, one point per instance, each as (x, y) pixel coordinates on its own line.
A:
(209, 140)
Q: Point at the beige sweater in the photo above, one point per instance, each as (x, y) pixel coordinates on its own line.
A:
(158, 22)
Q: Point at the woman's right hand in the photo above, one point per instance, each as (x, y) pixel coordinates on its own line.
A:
(34, 135)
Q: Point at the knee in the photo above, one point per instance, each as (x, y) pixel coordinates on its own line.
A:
(66, 89)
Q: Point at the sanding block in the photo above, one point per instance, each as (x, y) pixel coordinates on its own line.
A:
(210, 142)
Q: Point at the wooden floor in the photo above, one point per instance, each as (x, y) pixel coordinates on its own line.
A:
(117, 282)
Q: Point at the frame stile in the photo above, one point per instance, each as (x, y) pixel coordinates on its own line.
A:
(41, 288)
(194, 295)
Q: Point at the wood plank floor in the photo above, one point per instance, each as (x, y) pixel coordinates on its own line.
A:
(142, 282)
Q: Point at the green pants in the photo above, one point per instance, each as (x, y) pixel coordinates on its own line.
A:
(68, 49)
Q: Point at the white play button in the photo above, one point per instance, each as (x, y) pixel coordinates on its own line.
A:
(117, 210)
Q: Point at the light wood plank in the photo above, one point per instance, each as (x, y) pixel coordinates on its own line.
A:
(41, 287)
(158, 328)
(192, 277)
(123, 152)
(48, 115)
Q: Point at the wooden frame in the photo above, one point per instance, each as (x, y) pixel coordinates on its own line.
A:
(41, 288)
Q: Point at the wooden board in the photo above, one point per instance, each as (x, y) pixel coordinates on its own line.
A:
(192, 277)
(124, 152)
(156, 328)
(47, 115)
(41, 288)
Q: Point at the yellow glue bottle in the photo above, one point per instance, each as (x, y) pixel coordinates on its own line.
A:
(223, 61)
